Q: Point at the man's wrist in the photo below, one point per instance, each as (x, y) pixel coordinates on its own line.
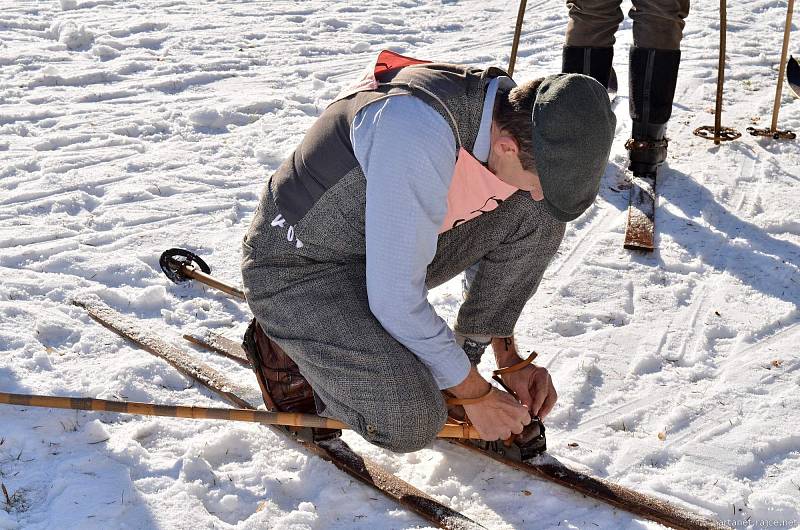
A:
(505, 351)
(473, 386)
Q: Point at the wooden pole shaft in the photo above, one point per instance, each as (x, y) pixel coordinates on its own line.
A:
(786, 30)
(196, 274)
(287, 419)
(723, 24)
(517, 33)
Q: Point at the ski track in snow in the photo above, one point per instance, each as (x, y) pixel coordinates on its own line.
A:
(130, 127)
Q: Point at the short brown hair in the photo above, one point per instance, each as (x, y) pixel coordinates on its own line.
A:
(512, 113)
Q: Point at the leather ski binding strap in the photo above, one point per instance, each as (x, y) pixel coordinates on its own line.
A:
(643, 145)
(530, 443)
(453, 401)
(517, 366)
(774, 134)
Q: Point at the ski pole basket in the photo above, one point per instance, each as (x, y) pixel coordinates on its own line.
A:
(174, 261)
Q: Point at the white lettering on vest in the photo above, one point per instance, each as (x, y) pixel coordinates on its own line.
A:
(281, 222)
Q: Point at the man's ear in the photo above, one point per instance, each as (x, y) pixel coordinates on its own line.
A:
(506, 145)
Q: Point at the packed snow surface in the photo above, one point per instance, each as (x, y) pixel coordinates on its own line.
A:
(128, 127)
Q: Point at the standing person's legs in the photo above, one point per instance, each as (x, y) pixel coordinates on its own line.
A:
(592, 23)
(658, 23)
(653, 75)
(589, 41)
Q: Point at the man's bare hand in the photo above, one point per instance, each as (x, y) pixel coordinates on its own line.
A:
(496, 416)
(532, 384)
(534, 387)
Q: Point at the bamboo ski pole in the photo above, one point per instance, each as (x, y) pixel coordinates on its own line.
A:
(718, 133)
(776, 107)
(286, 419)
(785, 50)
(517, 34)
(723, 30)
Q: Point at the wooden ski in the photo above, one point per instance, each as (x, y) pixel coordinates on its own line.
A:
(219, 344)
(334, 450)
(631, 501)
(646, 506)
(129, 328)
(640, 230)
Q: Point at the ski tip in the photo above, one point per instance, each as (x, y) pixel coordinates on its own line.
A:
(793, 75)
(612, 85)
(85, 301)
(638, 246)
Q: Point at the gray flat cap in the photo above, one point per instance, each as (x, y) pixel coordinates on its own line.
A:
(573, 127)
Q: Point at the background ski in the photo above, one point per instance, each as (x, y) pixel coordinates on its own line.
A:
(219, 344)
(640, 229)
(335, 451)
(128, 328)
(646, 506)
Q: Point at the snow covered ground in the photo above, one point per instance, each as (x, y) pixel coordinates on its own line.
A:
(127, 127)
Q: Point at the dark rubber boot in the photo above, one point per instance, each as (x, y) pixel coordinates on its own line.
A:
(594, 62)
(652, 79)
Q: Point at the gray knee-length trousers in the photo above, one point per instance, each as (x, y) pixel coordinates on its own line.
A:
(312, 300)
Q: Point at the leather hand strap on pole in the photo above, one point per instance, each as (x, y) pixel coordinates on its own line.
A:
(517, 366)
(452, 401)
(497, 374)
(466, 425)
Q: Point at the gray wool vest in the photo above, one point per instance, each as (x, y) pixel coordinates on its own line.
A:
(320, 190)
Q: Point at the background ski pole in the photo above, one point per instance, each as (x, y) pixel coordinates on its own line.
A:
(776, 107)
(286, 419)
(181, 265)
(517, 32)
(192, 272)
(718, 133)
